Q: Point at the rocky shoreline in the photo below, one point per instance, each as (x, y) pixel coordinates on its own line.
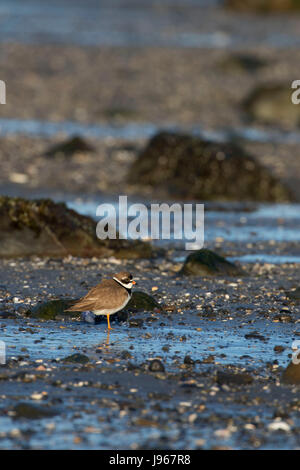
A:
(223, 344)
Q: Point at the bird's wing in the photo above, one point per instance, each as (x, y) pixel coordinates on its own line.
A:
(101, 298)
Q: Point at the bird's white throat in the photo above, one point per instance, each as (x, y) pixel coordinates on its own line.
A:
(127, 286)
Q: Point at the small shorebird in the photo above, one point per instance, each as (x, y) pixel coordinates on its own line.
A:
(108, 297)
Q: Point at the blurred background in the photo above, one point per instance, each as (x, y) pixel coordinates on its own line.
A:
(114, 73)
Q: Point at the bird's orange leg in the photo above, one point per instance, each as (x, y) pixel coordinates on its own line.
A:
(108, 323)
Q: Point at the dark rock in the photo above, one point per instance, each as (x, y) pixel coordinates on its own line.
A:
(30, 411)
(51, 309)
(156, 366)
(69, 147)
(187, 167)
(77, 358)
(45, 228)
(263, 6)
(291, 375)
(142, 302)
(205, 262)
(279, 349)
(294, 294)
(233, 378)
(271, 104)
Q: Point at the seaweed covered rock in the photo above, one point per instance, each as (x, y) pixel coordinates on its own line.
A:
(264, 6)
(271, 104)
(205, 262)
(52, 309)
(140, 301)
(69, 148)
(291, 375)
(45, 228)
(188, 167)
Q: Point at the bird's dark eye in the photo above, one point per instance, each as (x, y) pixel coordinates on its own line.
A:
(130, 277)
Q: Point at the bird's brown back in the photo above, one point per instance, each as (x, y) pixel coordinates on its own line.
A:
(106, 295)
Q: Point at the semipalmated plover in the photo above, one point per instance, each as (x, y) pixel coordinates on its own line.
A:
(108, 297)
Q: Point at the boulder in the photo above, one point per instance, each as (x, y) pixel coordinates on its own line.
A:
(188, 167)
(205, 262)
(45, 228)
(140, 301)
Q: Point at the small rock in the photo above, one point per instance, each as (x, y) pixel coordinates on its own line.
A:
(291, 375)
